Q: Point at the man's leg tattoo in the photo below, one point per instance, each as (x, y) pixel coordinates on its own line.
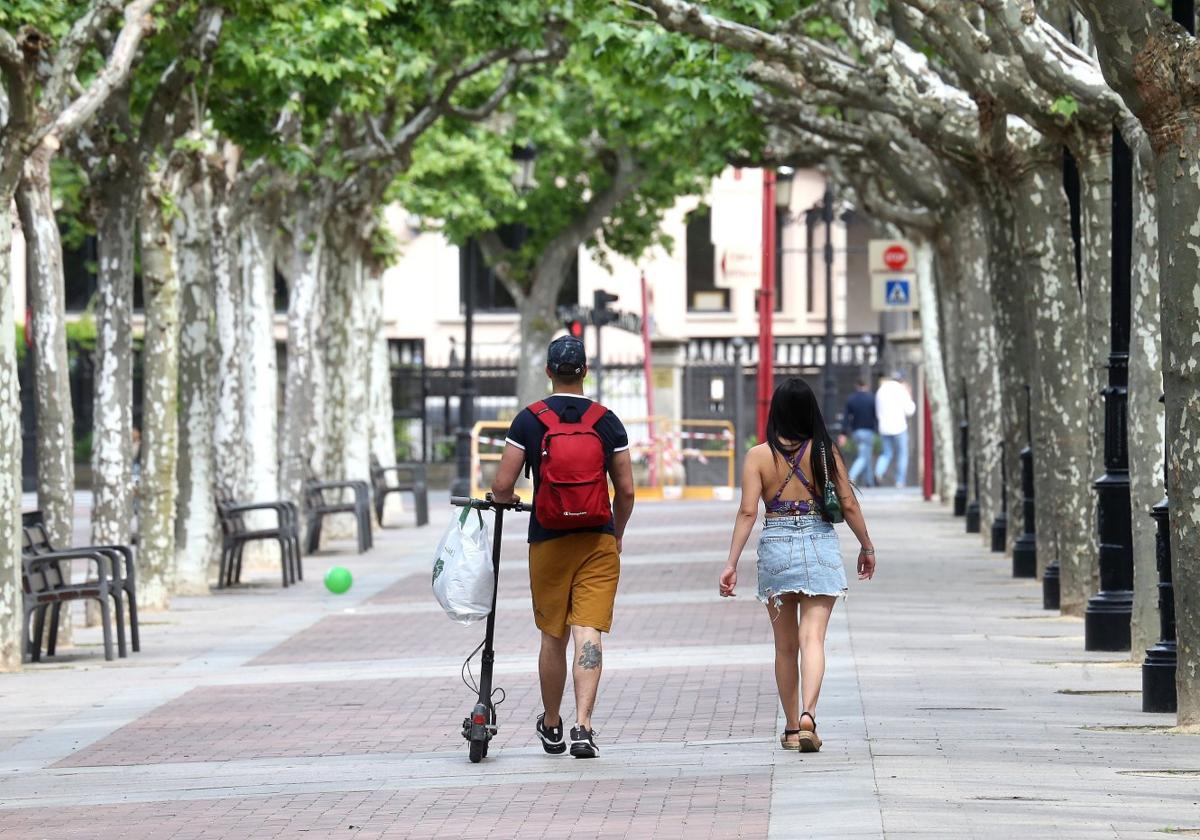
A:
(591, 656)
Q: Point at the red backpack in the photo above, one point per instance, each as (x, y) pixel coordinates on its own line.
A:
(572, 475)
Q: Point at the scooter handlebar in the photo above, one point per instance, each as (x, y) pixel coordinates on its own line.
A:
(489, 504)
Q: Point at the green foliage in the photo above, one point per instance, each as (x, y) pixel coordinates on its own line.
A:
(21, 346)
(1065, 107)
(678, 107)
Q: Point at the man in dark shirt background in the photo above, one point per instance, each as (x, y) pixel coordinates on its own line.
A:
(572, 573)
(861, 421)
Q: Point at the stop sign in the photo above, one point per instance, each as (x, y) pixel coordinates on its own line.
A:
(896, 257)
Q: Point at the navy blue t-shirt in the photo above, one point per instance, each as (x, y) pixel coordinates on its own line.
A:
(860, 411)
(526, 433)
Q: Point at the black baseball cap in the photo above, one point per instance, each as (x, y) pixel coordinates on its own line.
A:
(566, 356)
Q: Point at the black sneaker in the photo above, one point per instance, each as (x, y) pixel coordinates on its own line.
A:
(583, 742)
(552, 736)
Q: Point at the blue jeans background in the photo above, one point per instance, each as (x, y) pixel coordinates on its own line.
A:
(894, 446)
(864, 442)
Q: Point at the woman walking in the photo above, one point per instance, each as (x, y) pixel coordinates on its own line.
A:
(800, 572)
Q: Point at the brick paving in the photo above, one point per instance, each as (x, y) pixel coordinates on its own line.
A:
(708, 808)
(377, 717)
(247, 717)
(640, 577)
(395, 635)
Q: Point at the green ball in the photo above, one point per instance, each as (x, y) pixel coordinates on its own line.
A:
(338, 579)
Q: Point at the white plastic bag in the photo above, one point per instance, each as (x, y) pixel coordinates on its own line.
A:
(463, 578)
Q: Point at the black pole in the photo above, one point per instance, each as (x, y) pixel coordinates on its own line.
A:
(466, 395)
(960, 492)
(1108, 614)
(973, 519)
(1183, 12)
(1000, 522)
(1158, 670)
(598, 363)
(829, 386)
(739, 402)
(1025, 547)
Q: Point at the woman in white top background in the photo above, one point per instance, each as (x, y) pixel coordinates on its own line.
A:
(893, 406)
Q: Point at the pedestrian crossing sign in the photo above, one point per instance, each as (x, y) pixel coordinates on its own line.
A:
(897, 293)
(894, 291)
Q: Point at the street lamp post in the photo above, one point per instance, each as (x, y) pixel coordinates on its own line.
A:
(973, 523)
(1158, 671)
(739, 402)
(964, 441)
(1025, 547)
(1000, 522)
(829, 385)
(523, 181)
(766, 307)
(1108, 614)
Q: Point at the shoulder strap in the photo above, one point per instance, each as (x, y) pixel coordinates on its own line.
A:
(545, 415)
(593, 415)
(800, 471)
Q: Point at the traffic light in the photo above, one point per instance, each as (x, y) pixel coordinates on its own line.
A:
(574, 327)
(601, 314)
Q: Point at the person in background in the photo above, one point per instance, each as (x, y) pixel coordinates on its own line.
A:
(860, 420)
(893, 406)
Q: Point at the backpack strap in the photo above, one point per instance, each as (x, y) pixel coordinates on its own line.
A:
(593, 415)
(545, 415)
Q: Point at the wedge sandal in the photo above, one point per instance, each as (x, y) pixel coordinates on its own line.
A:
(785, 744)
(809, 741)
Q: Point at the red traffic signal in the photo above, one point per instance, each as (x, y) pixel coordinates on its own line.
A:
(574, 328)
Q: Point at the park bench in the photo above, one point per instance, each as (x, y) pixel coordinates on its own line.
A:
(406, 478)
(325, 498)
(235, 533)
(47, 584)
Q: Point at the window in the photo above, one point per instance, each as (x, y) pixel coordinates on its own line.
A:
(488, 292)
(702, 292)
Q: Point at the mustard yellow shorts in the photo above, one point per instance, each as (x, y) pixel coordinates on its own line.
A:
(573, 580)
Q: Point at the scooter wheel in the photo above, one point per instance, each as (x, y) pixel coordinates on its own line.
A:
(478, 751)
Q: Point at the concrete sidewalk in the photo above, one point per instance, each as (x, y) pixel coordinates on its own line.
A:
(953, 706)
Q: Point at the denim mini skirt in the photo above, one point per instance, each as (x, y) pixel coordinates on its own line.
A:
(799, 555)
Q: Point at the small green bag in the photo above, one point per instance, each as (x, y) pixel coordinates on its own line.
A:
(831, 503)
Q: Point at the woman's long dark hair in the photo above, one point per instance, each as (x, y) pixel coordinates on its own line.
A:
(795, 416)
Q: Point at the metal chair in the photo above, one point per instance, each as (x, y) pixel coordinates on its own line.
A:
(236, 533)
(318, 505)
(409, 478)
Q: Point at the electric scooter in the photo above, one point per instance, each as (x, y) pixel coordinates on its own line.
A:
(481, 726)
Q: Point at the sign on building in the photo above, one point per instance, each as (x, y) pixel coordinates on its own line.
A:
(893, 275)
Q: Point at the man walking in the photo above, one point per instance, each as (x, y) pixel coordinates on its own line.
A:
(572, 446)
(893, 406)
(860, 419)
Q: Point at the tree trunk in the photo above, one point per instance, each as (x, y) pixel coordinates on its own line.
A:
(229, 438)
(10, 460)
(160, 389)
(300, 437)
(1063, 384)
(1178, 198)
(117, 198)
(1010, 288)
(1095, 204)
(538, 319)
(948, 297)
(1146, 439)
(935, 371)
(52, 392)
(981, 370)
(261, 377)
(196, 522)
(379, 392)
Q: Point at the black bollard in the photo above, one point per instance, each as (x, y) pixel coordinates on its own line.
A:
(960, 493)
(1158, 671)
(1025, 547)
(973, 523)
(1108, 614)
(1000, 523)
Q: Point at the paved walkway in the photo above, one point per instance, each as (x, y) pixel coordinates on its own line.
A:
(953, 707)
